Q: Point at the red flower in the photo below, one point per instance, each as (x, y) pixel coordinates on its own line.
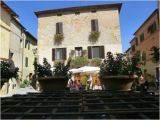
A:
(138, 65)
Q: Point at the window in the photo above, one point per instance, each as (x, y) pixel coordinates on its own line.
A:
(59, 14)
(28, 45)
(144, 56)
(77, 13)
(59, 54)
(26, 61)
(152, 28)
(95, 52)
(142, 37)
(94, 25)
(21, 43)
(26, 42)
(133, 48)
(10, 54)
(136, 41)
(59, 28)
(78, 51)
(93, 11)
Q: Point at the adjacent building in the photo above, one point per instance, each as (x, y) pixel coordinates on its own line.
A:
(147, 37)
(5, 26)
(16, 43)
(66, 30)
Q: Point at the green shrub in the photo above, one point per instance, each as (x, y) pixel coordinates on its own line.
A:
(25, 83)
(61, 69)
(95, 62)
(79, 62)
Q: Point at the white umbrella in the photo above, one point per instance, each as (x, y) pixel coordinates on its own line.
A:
(75, 70)
(89, 69)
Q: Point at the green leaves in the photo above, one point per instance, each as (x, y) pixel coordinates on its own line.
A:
(94, 35)
(79, 62)
(120, 65)
(6, 71)
(58, 38)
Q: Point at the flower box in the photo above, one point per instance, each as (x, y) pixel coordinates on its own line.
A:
(52, 83)
(119, 82)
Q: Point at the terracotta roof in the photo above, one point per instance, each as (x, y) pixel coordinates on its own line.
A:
(8, 9)
(154, 12)
(81, 8)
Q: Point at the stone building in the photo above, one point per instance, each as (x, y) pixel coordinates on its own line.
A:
(146, 37)
(66, 30)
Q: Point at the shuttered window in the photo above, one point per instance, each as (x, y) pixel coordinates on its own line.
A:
(59, 28)
(96, 52)
(89, 52)
(78, 51)
(152, 28)
(59, 54)
(26, 61)
(142, 37)
(102, 52)
(53, 54)
(94, 25)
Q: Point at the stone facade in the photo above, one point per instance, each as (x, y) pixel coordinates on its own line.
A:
(76, 30)
(5, 33)
(29, 45)
(150, 40)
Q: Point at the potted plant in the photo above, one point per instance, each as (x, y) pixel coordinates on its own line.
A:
(52, 81)
(118, 73)
(94, 35)
(58, 38)
(7, 72)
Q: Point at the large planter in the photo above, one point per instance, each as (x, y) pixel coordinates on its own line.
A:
(3, 80)
(117, 83)
(52, 83)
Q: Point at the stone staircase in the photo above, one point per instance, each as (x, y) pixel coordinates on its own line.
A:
(81, 105)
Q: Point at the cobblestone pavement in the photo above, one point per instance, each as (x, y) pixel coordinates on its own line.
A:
(20, 91)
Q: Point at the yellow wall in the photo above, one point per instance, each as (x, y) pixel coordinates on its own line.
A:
(5, 33)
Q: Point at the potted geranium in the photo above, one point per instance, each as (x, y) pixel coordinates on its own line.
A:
(53, 80)
(118, 73)
(7, 72)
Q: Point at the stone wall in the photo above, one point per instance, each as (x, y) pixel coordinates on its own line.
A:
(76, 29)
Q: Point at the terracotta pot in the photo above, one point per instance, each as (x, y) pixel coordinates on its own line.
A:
(52, 83)
(118, 83)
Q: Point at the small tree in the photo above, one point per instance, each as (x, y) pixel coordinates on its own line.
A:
(95, 62)
(79, 62)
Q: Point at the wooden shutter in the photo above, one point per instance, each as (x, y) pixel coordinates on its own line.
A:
(57, 28)
(61, 27)
(102, 53)
(92, 25)
(96, 25)
(53, 54)
(89, 52)
(26, 62)
(64, 53)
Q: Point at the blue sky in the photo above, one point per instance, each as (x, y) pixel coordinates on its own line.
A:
(132, 15)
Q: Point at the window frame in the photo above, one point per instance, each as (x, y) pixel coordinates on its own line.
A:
(81, 50)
